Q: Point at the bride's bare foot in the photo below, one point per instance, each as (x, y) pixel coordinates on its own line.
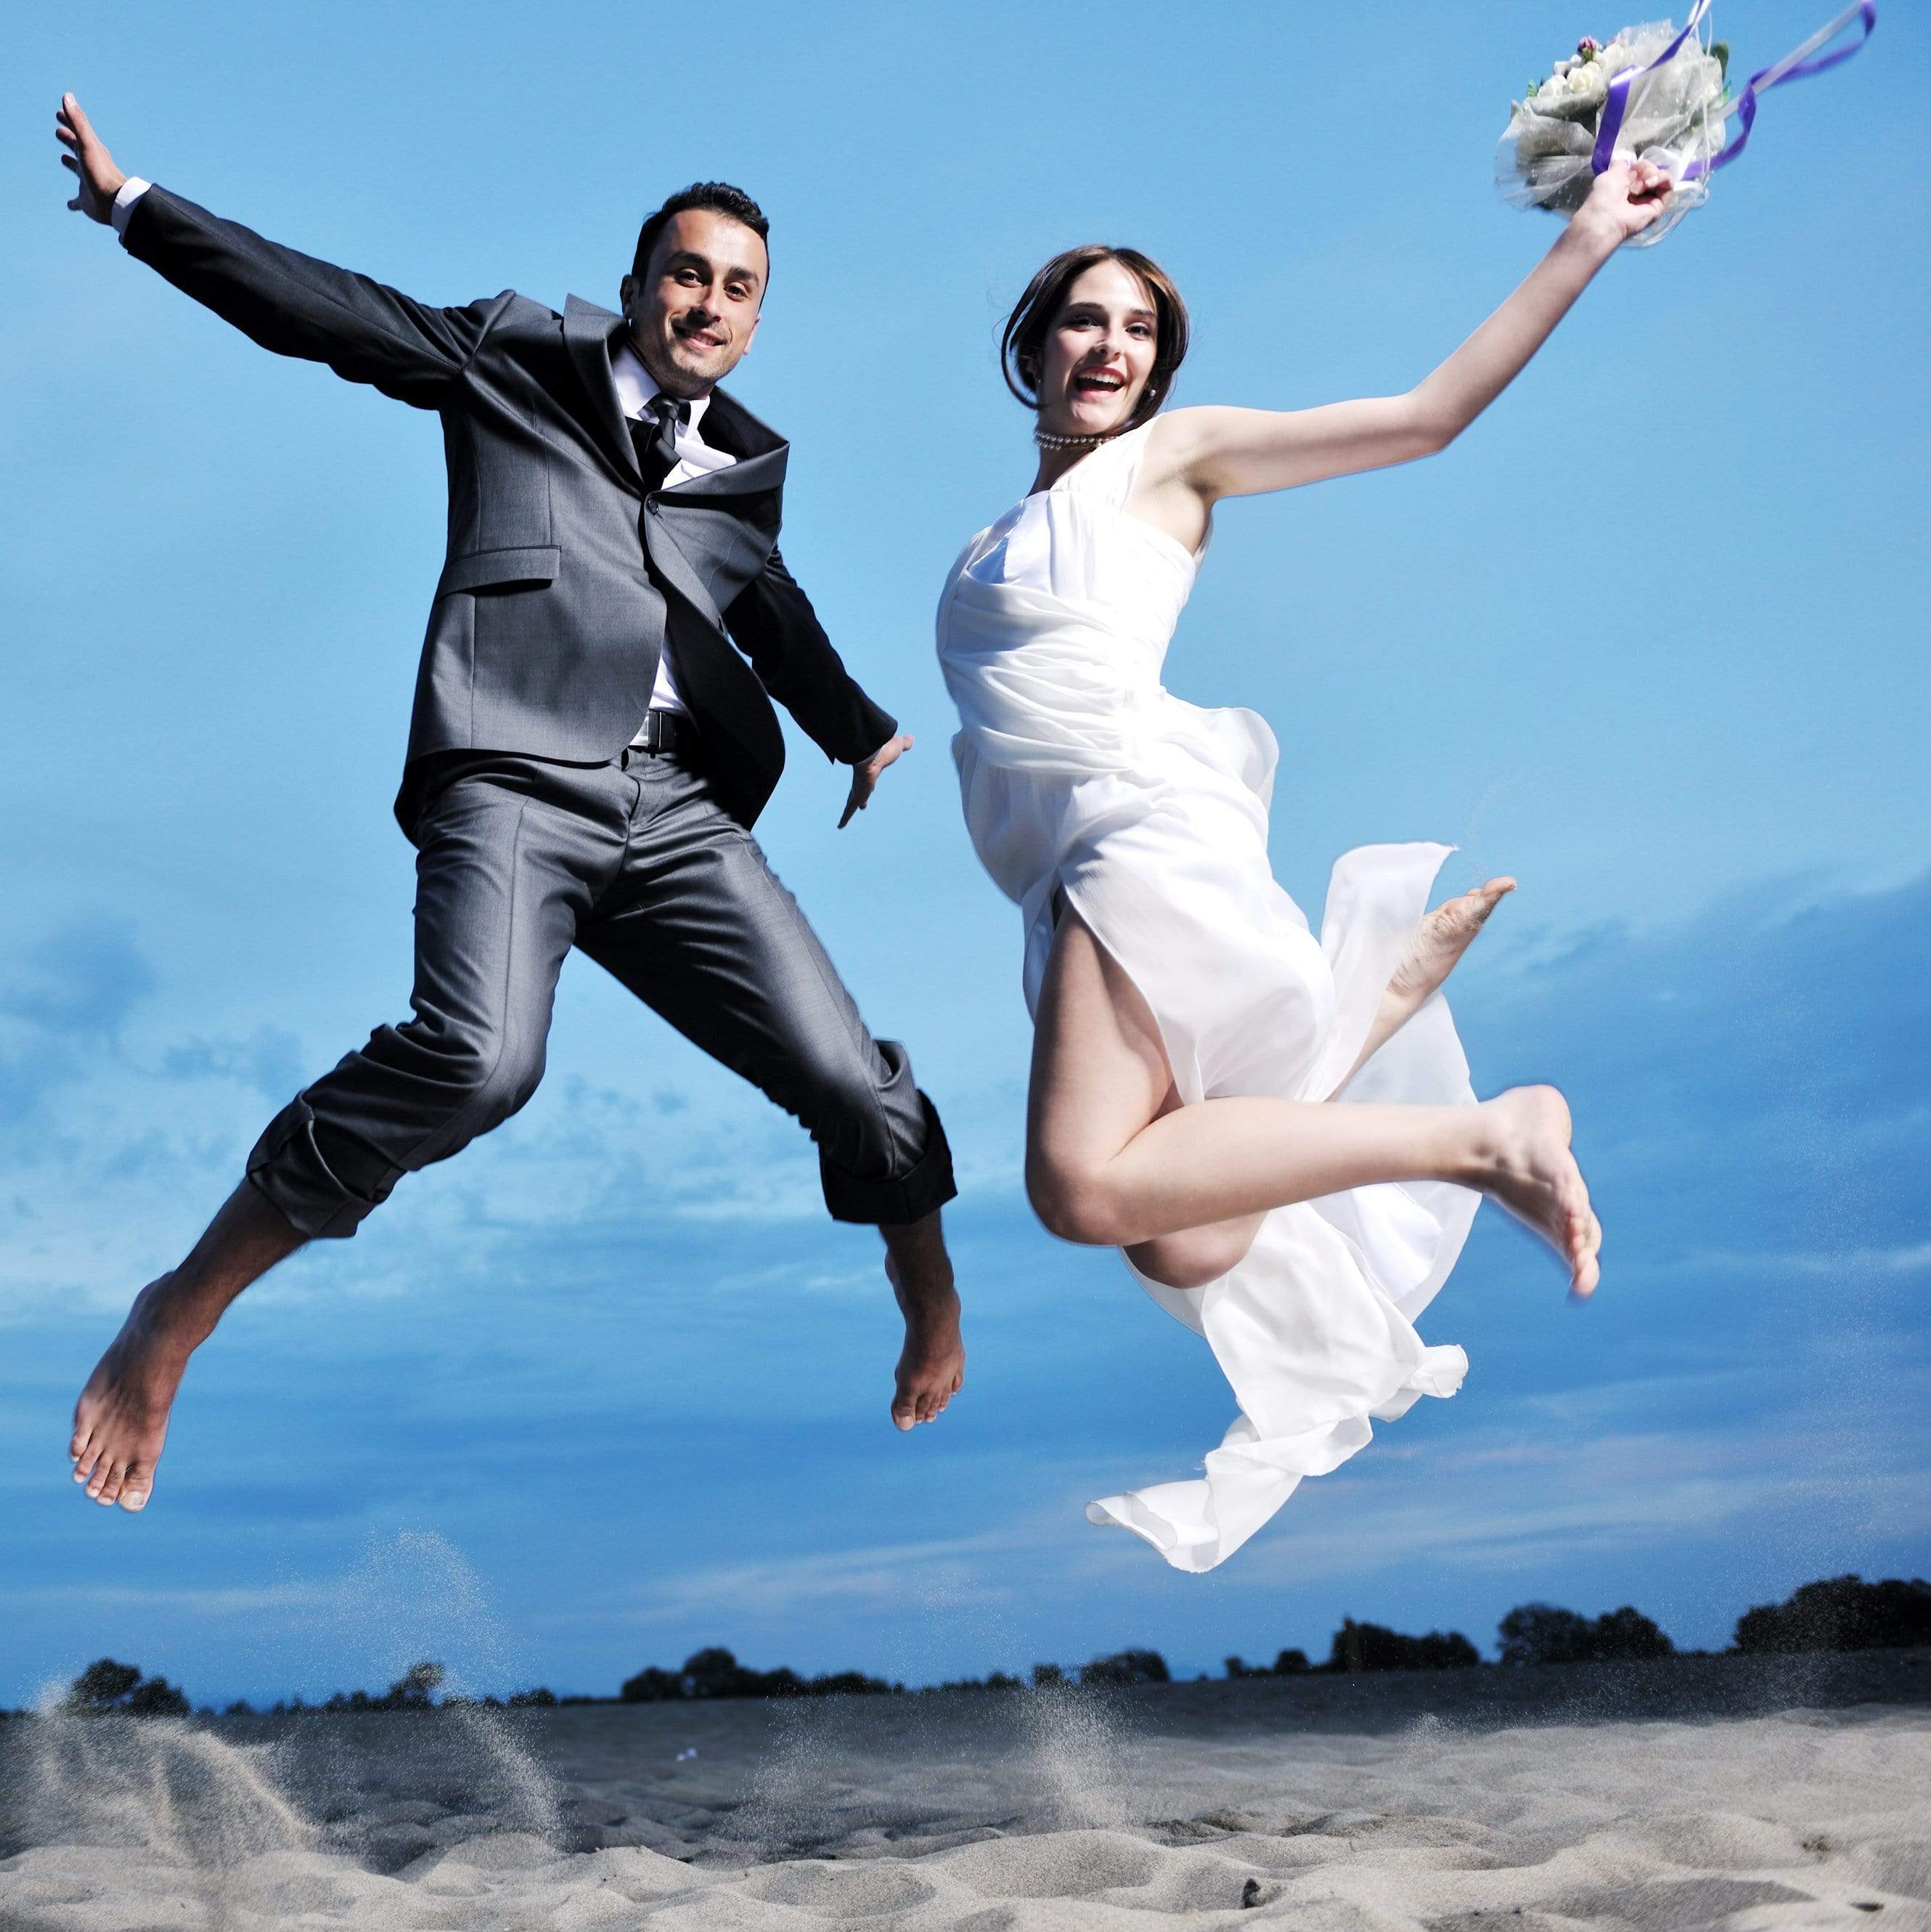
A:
(1443, 936)
(1526, 1166)
(931, 1366)
(1440, 940)
(121, 1420)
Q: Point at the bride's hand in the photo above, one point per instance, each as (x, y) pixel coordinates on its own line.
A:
(1627, 196)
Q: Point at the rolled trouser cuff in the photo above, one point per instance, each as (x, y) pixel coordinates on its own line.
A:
(925, 1187)
(324, 1182)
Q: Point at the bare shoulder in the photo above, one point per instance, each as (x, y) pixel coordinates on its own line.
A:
(1184, 439)
(1178, 435)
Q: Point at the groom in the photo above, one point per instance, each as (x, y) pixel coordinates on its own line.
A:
(587, 756)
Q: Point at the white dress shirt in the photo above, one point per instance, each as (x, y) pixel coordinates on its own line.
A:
(636, 390)
(132, 189)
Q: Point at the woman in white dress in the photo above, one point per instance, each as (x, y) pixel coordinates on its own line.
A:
(1192, 1036)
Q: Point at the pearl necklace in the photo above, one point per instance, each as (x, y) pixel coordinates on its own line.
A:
(1046, 441)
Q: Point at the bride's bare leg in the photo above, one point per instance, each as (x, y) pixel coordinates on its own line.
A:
(1196, 1255)
(1443, 935)
(1104, 1165)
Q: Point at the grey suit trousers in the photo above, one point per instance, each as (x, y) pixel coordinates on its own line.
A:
(635, 862)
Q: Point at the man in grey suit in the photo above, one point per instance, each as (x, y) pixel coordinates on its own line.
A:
(588, 753)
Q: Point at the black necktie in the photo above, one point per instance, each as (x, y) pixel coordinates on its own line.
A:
(654, 435)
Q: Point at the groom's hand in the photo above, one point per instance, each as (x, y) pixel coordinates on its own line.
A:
(99, 179)
(865, 777)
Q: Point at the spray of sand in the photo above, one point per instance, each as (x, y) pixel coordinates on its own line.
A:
(1079, 1744)
(214, 1812)
(415, 1597)
(164, 1788)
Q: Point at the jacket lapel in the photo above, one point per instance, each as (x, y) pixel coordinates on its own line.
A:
(738, 479)
(587, 330)
(729, 426)
(699, 525)
(676, 568)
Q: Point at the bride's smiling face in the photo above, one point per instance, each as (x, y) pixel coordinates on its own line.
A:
(1098, 353)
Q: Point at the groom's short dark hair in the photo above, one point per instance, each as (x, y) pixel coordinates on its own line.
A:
(720, 197)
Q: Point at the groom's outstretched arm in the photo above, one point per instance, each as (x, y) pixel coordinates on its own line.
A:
(775, 625)
(287, 301)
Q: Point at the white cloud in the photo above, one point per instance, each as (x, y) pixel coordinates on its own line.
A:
(935, 1571)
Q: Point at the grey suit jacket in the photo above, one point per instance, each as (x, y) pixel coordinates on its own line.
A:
(562, 581)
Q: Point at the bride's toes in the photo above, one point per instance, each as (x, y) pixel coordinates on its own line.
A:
(1530, 1170)
(1444, 936)
(1467, 912)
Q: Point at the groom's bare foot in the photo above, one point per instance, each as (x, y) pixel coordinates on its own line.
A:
(1440, 940)
(1526, 1166)
(121, 1420)
(931, 1366)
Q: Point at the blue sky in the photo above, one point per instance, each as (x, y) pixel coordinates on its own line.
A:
(1650, 636)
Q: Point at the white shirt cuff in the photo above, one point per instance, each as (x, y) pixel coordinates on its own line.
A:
(132, 189)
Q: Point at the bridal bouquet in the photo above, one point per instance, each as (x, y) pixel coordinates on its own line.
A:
(1674, 98)
(1658, 93)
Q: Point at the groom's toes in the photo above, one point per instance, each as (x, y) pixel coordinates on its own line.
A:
(135, 1491)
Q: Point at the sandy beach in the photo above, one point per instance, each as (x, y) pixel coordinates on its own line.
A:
(1750, 1793)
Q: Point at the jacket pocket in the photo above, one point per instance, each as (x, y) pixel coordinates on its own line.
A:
(482, 569)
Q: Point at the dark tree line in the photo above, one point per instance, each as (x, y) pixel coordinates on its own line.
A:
(1287, 1663)
(1364, 1646)
(1837, 1613)
(1125, 1666)
(106, 1687)
(715, 1673)
(1842, 1613)
(1542, 1633)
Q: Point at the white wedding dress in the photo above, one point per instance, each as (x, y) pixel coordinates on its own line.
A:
(1080, 773)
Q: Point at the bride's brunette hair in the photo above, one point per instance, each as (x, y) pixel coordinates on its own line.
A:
(1021, 347)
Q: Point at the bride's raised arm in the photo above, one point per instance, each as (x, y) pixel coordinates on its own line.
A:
(1234, 452)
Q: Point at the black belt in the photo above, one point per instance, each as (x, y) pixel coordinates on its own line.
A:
(665, 731)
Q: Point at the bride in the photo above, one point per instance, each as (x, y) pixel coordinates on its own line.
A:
(1192, 1037)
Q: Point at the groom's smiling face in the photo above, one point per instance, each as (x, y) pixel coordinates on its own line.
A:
(693, 310)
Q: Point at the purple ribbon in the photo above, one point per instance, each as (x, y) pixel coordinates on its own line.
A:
(1617, 103)
(1795, 65)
